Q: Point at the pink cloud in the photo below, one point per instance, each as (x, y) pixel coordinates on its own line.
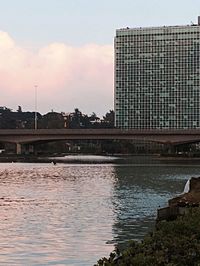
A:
(67, 77)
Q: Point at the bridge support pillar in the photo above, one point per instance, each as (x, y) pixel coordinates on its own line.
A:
(18, 148)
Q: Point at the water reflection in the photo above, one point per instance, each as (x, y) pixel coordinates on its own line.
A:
(65, 214)
(139, 191)
(55, 215)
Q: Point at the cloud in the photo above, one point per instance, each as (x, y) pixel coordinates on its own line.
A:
(67, 76)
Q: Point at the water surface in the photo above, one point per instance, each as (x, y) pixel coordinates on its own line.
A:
(73, 214)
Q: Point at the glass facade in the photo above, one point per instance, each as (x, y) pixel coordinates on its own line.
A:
(157, 77)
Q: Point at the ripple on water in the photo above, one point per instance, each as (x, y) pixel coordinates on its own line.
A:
(65, 214)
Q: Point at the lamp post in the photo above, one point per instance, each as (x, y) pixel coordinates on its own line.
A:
(36, 107)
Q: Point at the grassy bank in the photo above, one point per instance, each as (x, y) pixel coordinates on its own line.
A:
(171, 243)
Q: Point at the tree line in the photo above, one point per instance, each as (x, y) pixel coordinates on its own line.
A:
(53, 120)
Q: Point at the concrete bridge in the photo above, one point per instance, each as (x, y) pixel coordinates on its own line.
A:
(31, 136)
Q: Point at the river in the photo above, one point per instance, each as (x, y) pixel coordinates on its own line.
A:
(74, 213)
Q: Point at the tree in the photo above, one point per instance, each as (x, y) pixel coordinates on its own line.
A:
(76, 118)
(19, 110)
(109, 119)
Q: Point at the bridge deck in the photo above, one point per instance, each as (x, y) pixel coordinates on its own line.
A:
(161, 136)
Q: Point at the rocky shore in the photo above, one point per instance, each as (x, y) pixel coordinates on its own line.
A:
(175, 239)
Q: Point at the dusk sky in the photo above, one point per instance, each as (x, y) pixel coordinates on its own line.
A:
(66, 48)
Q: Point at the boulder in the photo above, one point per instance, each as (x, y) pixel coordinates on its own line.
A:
(179, 205)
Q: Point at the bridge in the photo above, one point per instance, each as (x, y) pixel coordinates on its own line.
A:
(31, 136)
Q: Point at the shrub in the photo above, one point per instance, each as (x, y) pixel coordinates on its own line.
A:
(171, 243)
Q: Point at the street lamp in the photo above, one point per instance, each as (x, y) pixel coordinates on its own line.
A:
(36, 107)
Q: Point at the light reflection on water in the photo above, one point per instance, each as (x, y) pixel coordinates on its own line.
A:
(65, 214)
(52, 215)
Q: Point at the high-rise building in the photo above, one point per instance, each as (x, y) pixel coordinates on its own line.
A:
(157, 77)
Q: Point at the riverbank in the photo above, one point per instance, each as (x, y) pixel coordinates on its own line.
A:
(24, 159)
(73, 158)
(171, 243)
(100, 158)
(175, 239)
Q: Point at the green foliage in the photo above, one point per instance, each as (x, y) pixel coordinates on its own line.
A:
(171, 243)
(76, 119)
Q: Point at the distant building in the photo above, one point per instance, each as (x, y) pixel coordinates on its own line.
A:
(157, 77)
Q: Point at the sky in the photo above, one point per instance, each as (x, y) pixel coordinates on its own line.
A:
(65, 47)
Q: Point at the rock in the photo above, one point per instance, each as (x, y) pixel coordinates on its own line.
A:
(178, 205)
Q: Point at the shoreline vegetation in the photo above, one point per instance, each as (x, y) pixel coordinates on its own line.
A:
(175, 239)
(171, 243)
